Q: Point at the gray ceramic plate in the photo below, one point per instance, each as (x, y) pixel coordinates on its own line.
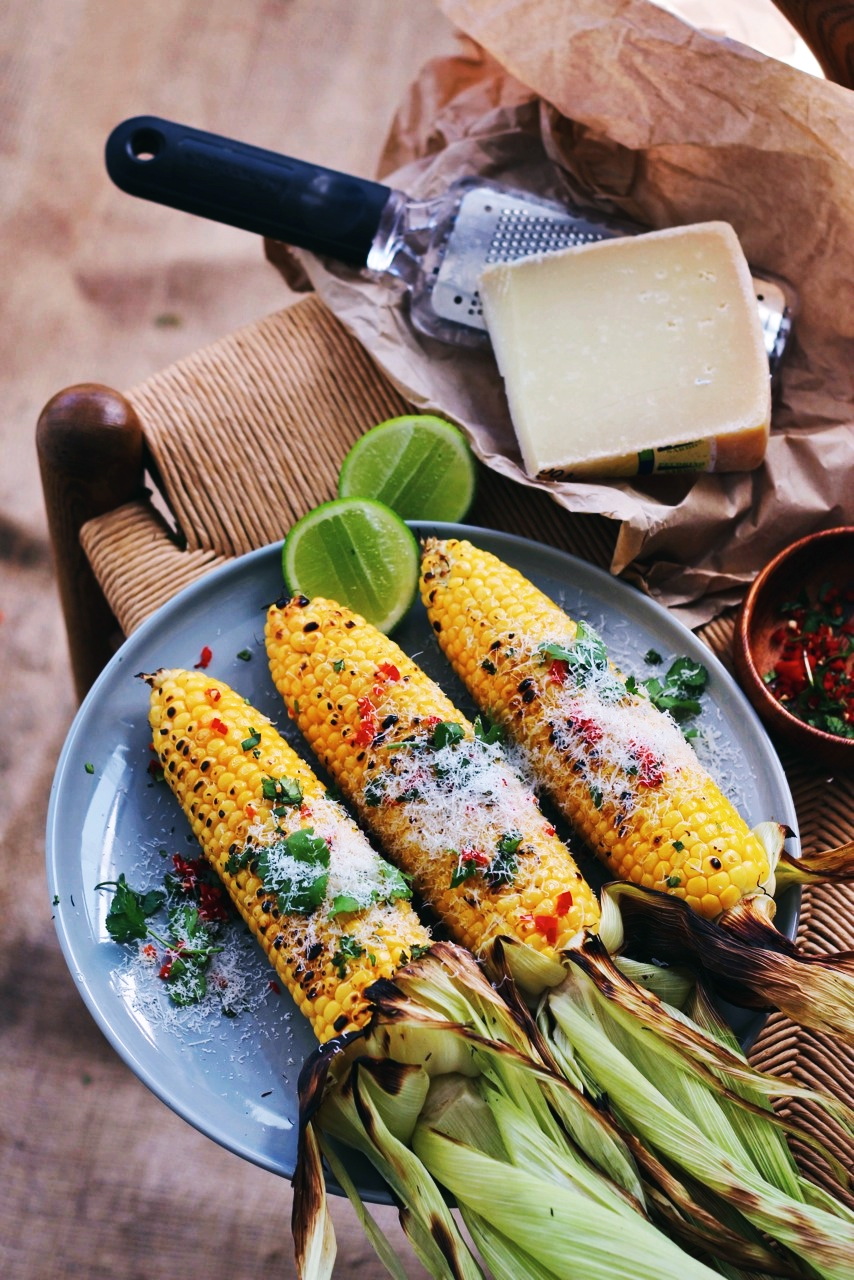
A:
(235, 1078)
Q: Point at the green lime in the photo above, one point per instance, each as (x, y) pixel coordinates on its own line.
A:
(356, 551)
(420, 466)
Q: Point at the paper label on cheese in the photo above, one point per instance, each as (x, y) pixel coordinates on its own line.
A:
(696, 455)
(643, 355)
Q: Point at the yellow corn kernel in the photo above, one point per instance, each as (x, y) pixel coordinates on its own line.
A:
(220, 757)
(454, 815)
(619, 770)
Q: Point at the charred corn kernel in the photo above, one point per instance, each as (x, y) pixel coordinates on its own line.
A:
(330, 915)
(447, 805)
(618, 768)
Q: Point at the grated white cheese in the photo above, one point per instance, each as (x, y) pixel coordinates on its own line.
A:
(238, 980)
(460, 795)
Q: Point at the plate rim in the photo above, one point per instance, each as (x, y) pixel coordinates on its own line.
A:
(239, 566)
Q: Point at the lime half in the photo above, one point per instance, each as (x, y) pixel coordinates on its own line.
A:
(358, 552)
(420, 466)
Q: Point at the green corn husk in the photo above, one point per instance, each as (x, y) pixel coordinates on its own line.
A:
(374, 1235)
(638, 1011)
(746, 959)
(681, 1110)
(510, 1104)
(354, 1115)
(501, 1042)
(311, 1225)
(558, 1227)
(502, 1256)
(708, 1226)
(833, 866)
(772, 1140)
(451, 1071)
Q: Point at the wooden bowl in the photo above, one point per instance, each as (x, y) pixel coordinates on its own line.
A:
(820, 558)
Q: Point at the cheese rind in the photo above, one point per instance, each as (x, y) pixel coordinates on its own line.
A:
(638, 355)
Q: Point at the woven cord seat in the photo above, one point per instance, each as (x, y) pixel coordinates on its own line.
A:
(242, 438)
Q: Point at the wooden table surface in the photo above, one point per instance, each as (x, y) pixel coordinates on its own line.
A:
(100, 1180)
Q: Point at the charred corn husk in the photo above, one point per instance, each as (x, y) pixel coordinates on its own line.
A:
(411, 765)
(620, 770)
(632, 787)
(444, 801)
(329, 913)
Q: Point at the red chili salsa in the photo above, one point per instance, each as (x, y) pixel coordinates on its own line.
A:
(813, 676)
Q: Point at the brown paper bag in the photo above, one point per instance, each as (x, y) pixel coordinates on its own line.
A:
(621, 104)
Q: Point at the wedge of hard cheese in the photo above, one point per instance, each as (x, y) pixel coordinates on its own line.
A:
(632, 356)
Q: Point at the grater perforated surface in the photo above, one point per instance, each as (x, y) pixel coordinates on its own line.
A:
(494, 227)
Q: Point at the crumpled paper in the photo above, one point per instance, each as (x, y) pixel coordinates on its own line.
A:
(620, 104)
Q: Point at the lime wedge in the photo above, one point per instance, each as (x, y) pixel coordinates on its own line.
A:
(420, 466)
(358, 552)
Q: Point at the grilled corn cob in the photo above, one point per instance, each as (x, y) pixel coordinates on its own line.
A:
(618, 768)
(442, 800)
(330, 915)
(445, 802)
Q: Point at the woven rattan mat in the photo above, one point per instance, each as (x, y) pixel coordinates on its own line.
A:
(248, 434)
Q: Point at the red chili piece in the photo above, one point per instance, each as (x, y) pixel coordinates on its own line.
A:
(367, 729)
(219, 727)
(650, 767)
(204, 658)
(547, 926)
(587, 729)
(813, 676)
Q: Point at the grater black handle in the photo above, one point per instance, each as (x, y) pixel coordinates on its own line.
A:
(261, 191)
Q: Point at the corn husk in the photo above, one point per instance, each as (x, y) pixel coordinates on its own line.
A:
(725, 1139)
(504, 1110)
(743, 957)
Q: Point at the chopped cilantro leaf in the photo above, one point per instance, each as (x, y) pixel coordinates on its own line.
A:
(678, 692)
(348, 949)
(502, 869)
(374, 792)
(342, 904)
(586, 657)
(394, 884)
(486, 732)
(285, 791)
(239, 861)
(464, 870)
(303, 893)
(305, 846)
(446, 733)
(129, 909)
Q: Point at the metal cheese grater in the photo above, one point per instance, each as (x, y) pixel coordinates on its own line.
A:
(491, 224)
(437, 247)
(495, 226)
